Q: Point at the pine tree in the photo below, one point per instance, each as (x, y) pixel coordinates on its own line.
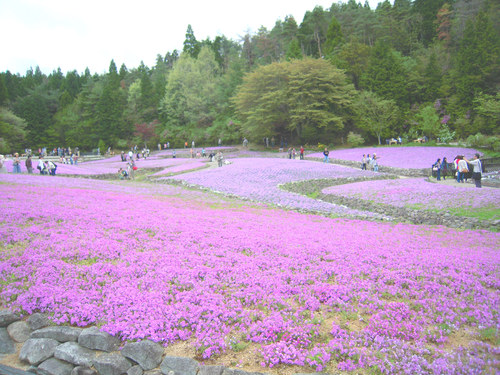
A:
(334, 37)
(191, 45)
(4, 95)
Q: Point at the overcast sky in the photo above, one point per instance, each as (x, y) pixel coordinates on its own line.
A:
(75, 34)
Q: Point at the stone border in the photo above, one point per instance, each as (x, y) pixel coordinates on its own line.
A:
(65, 350)
(402, 214)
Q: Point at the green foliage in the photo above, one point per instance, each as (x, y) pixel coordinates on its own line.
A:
(4, 95)
(294, 51)
(102, 146)
(191, 46)
(412, 53)
(12, 132)
(374, 114)
(306, 99)
(192, 98)
(428, 121)
(445, 134)
(483, 141)
(334, 37)
(490, 334)
(355, 139)
(386, 75)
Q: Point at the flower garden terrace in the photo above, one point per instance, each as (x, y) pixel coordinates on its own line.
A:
(231, 280)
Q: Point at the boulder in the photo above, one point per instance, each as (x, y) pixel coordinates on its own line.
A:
(211, 370)
(54, 366)
(35, 351)
(37, 321)
(146, 353)
(112, 364)
(7, 317)
(6, 343)
(135, 370)
(73, 353)
(59, 333)
(92, 338)
(179, 366)
(19, 331)
(82, 370)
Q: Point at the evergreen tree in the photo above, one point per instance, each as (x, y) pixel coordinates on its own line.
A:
(191, 45)
(385, 75)
(477, 60)
(4, 95)
(294, 51)
(427, 10)
(334, 37)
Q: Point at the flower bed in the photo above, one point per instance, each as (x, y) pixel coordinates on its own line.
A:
(328, 294)
(401, 157)
(258, 179)
(419, 193)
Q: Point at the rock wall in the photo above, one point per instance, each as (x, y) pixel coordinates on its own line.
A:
(64, 350)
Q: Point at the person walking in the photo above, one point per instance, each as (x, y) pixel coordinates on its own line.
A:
(363, 162)
(477, 169)
(301, 152)
(326, 153)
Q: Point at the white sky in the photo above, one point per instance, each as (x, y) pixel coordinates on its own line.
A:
(75, 34)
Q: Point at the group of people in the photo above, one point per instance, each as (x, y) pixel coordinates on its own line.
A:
(460, 167)
(46, 167)
(370, 161)
(292, 153)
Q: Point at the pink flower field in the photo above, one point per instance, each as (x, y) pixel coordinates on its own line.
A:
(417, 157)
(279, 288)
(417, 192)
(258, 179)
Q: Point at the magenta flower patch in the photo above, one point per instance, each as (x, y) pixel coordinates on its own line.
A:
(401, 157)
(160, 262)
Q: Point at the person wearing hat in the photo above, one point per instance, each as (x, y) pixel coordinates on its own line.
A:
(477, 169)
(16, 165)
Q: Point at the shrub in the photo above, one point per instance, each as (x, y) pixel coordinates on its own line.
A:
(483, 141)
(355, 139)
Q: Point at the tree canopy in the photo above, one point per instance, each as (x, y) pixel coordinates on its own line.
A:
(418, 62)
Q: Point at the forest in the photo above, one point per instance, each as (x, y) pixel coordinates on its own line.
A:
(344, 75)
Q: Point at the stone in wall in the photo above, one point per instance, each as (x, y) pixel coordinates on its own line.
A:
(35, 351)
(179, 366)
(92, 338)
(19, 331)
(7, 317)
(37, 321)
(6, 343)
(73, 353)
(146, 353)
(53, 366)
(112, 364)
(59, 333)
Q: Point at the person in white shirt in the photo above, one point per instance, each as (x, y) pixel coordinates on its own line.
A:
(477, 169)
